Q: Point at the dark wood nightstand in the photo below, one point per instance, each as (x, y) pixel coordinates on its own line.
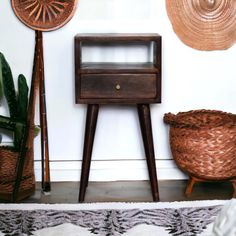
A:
(118, 83)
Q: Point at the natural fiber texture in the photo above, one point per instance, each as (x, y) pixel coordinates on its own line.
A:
(44, 15)
(8, 164)
(118, 219)
(203, 143)
(204, 24)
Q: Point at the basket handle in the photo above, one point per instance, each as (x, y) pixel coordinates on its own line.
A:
(169, 118)
(172, 119)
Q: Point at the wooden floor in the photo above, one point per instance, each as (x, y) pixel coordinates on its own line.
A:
(131, 191)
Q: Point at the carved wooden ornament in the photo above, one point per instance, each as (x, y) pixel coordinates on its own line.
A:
(44, 15)
(204, 24)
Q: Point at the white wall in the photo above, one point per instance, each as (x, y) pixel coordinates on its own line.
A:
(191, 80)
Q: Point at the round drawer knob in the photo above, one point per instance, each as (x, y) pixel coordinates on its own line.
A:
(118, 87)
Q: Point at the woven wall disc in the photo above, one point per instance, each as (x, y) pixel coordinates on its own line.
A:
(44, 15)
(204, 24)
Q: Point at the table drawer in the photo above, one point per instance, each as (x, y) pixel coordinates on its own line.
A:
(121, 86)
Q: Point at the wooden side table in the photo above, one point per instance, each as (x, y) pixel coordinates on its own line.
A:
(118, 83)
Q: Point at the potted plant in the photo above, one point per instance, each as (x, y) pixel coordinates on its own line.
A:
(17, 102)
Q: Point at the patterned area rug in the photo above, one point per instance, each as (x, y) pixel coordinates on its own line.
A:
(110, 219)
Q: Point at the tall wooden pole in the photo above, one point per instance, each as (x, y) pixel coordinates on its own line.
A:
(29, 123)
(46, 187)
(37, 82)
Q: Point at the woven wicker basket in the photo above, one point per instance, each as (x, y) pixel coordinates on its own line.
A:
(8, 164)
(203, 143)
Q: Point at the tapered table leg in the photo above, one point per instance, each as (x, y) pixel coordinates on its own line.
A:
(146, 129)
(91, 122)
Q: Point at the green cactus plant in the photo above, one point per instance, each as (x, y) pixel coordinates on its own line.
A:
(22, 98)
(17, 102)
(8, 87)
(6, 122)
(1, 86)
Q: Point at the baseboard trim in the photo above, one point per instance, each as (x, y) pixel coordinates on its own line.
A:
(110, 170)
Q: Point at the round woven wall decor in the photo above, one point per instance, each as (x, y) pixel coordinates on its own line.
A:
(204, 24)
(44, 15)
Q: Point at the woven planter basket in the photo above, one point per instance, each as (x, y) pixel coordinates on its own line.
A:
(8, 164)
(203, 143)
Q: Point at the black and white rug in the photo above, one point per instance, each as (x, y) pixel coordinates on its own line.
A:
(110, 219)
